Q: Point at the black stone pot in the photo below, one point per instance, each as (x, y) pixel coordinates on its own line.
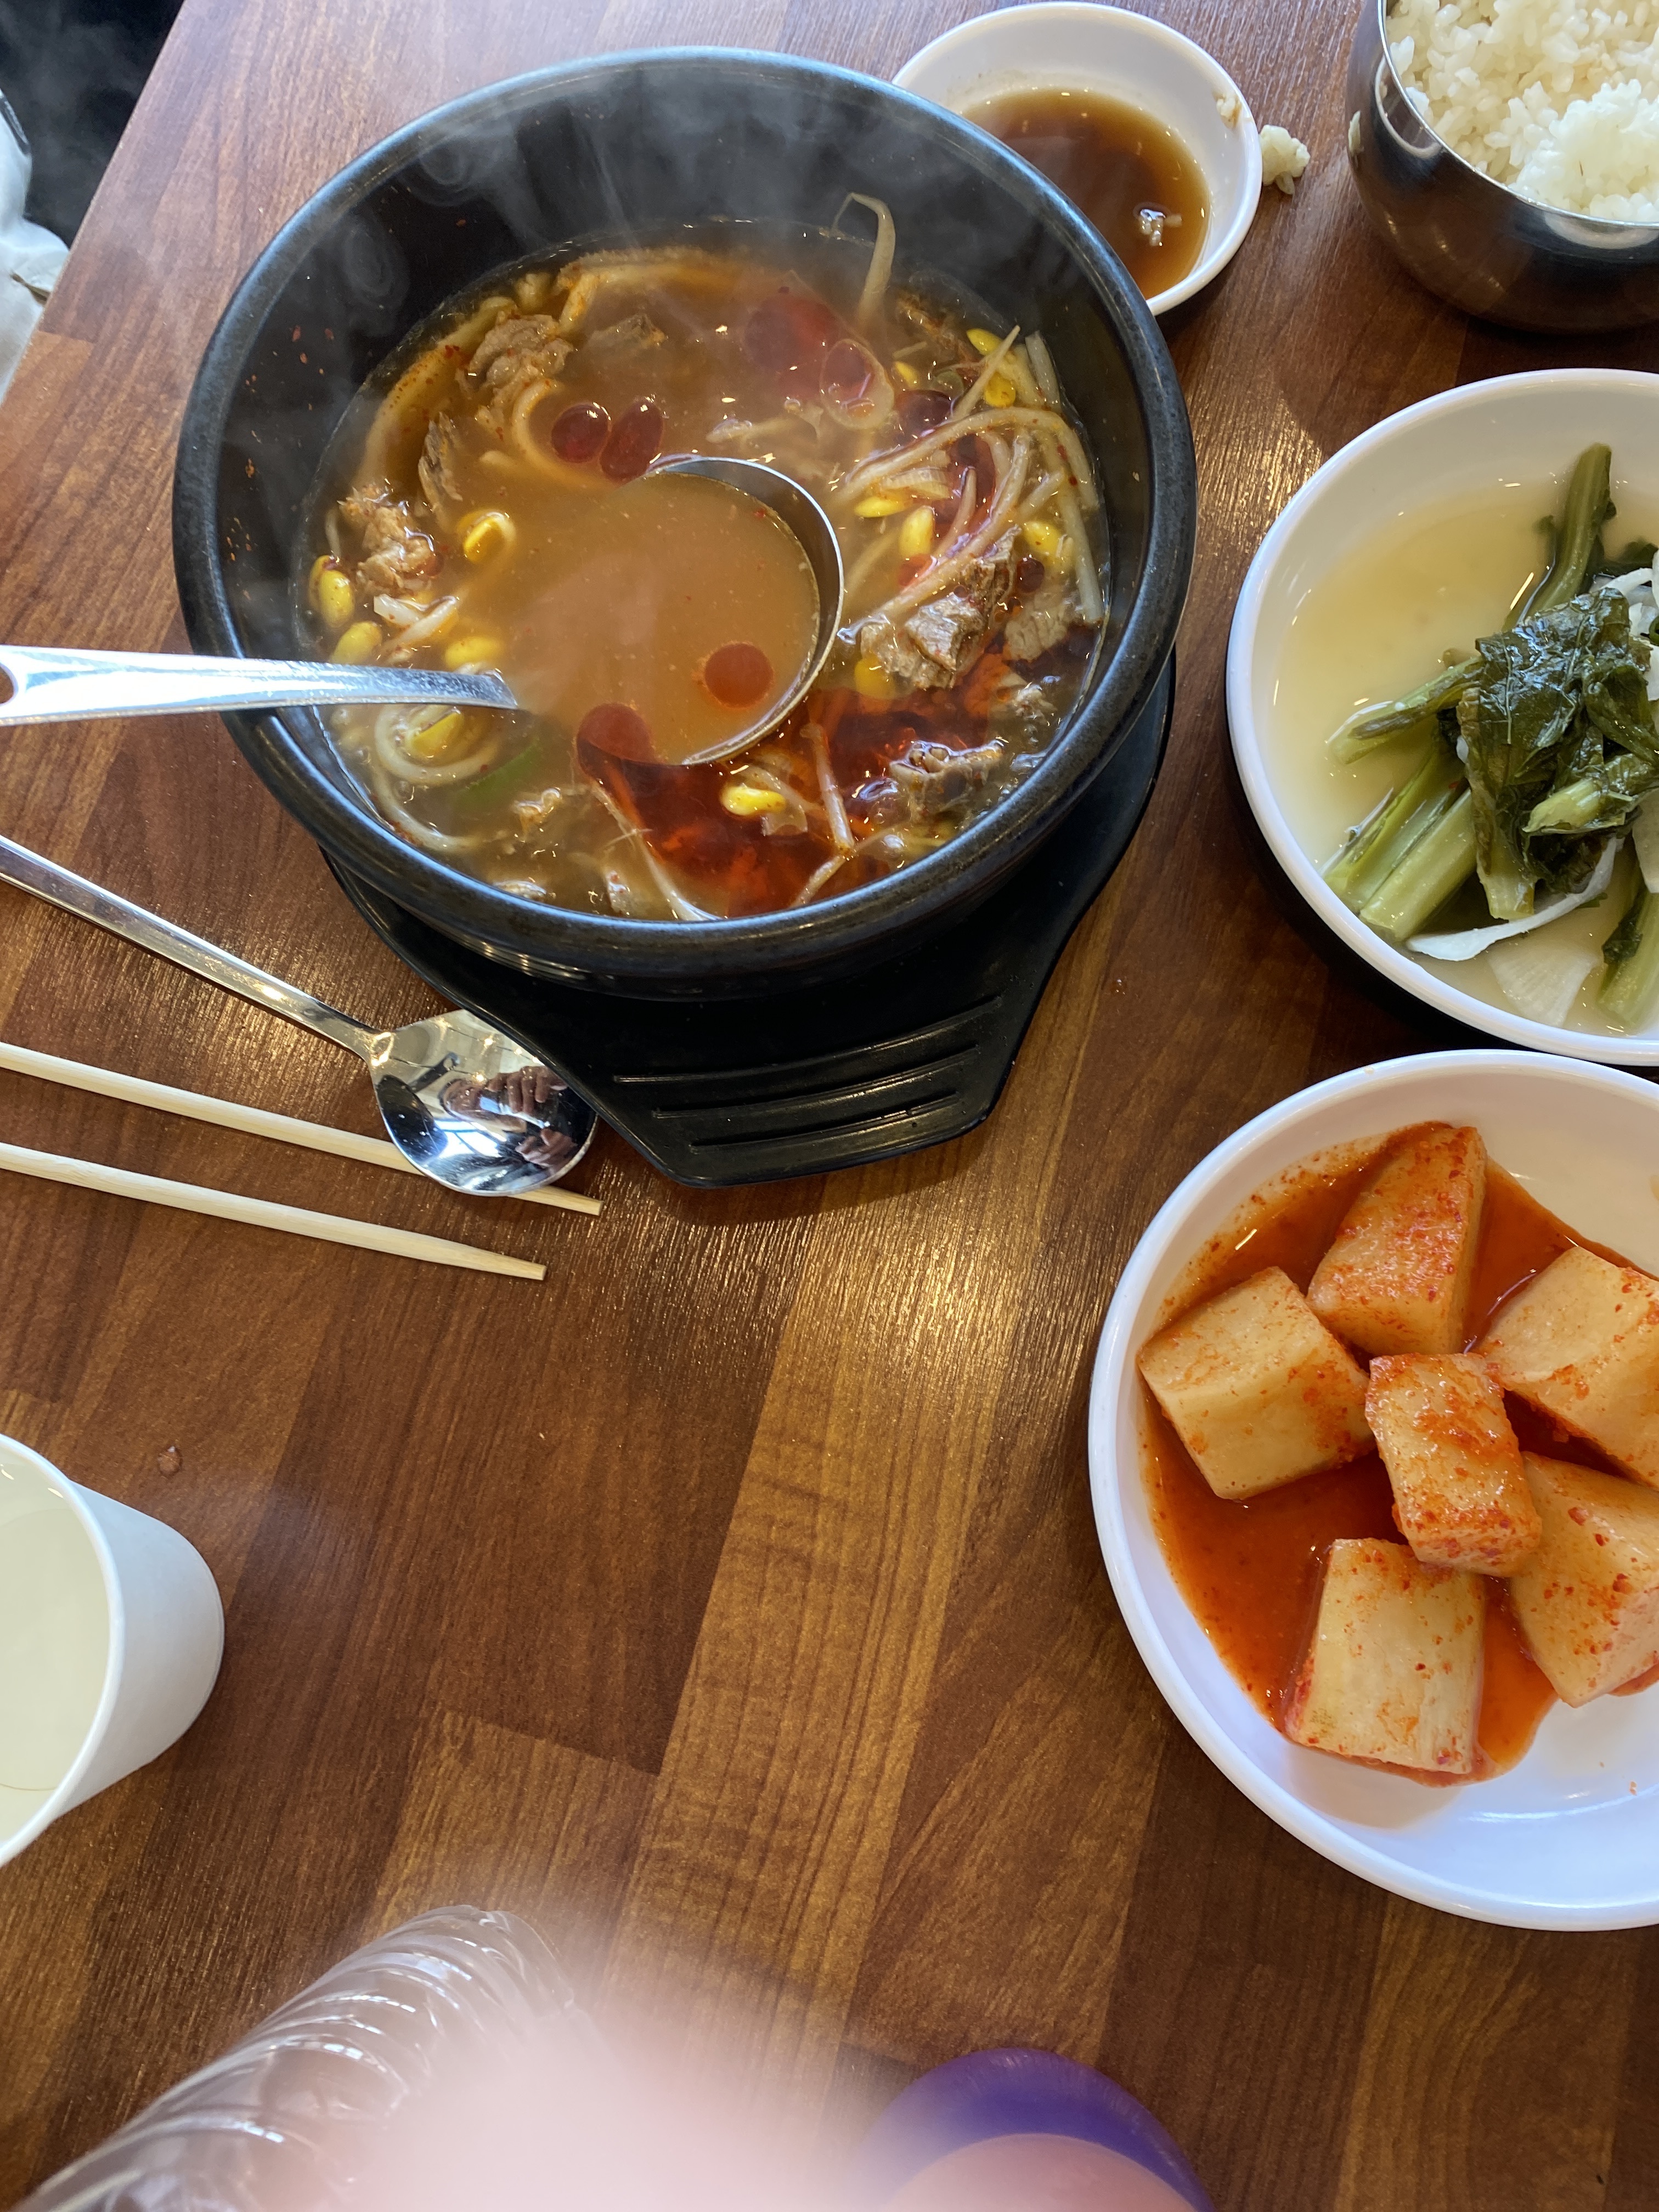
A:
(635, 146)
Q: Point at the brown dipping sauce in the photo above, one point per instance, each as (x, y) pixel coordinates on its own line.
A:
(1250, 1570)
(1131, 176)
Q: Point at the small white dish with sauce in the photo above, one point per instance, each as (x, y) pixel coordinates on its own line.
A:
(1072, 46)
(1408, 544)
(1569, 1836)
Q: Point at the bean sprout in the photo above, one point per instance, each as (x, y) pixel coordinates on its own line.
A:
(932, 581)
(1019, 367)
(397, 613)
(992, 362)
(418, 832)
(584, 280)
(819, 876)
(403, 412)
(794, 816)
(392, 722)
(880, 270)
(425, 625)
(869, 474)
(1083, 568)
(1043, 368)
(925, 488)
(676, 901)
(732, 433)
(965, 506)
(859, 571)
(840, 833)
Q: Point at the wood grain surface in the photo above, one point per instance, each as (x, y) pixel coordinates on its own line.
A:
(731, 1604)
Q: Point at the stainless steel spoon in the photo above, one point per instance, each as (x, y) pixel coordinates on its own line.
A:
(56, 684)
(53, 684)
(463, 1103)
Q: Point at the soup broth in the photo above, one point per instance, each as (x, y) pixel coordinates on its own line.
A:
(500, 510)
(676, 594)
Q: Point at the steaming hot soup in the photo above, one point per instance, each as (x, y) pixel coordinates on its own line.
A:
(502, 512)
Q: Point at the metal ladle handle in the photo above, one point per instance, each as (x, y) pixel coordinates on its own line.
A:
(47, 880)
(56, 684)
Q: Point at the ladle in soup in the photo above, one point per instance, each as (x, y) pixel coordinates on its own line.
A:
(673, 618)
(55, 683)
(814, 533)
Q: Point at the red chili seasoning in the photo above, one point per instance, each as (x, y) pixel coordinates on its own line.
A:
(848, 372)
(580, 432)
(635, 441)
(737, 675)
(788, 335)
(921, 411)
(619, 732)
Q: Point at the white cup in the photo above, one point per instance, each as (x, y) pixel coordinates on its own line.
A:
(110, 1635)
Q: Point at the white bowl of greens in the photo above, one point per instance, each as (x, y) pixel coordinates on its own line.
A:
(1444, 713)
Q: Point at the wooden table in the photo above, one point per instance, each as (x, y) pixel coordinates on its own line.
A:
(731, 1606)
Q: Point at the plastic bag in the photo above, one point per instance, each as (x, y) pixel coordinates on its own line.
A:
(30, 257)
(299, 2113)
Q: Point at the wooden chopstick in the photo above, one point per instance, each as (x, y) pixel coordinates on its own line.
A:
(261, 1213)
(252, 1121)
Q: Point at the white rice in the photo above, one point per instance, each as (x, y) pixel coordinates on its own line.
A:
(1558, 99)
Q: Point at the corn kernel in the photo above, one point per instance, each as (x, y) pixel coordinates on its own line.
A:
(336, 601)
(984, 341)
(1043, 539)
(358, 644)
(871, 681)
(485, 535)
(1001, 391)
(916, 533)
(743, 799)
(883, 502)
(910, 378)
(433, 740)
(478, 645)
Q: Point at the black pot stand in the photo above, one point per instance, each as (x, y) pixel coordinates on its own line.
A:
(906, 1052)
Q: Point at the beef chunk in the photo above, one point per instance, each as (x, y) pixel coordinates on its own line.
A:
(525, 349)
(944, 636)
(1041, 621)
(437, 460)
(633, 334)
(521, 342)
(932, 777)
(396, 555)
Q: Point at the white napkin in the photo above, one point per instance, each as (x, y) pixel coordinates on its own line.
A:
(30, 257)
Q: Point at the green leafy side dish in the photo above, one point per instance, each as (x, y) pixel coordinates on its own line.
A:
(1538, 757)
